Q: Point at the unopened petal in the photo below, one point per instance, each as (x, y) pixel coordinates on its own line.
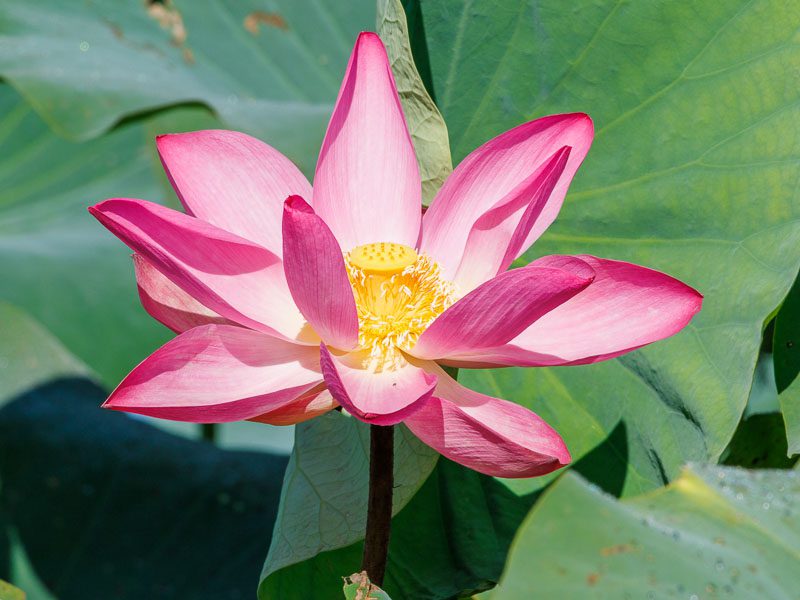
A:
(317, 278)
(367, 186)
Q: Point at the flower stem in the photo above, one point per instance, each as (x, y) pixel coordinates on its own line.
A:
(379, 511)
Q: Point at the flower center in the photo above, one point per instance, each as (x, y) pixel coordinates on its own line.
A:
(398, 294)
(382, 258)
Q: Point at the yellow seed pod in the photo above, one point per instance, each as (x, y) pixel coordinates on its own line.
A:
(382, 258)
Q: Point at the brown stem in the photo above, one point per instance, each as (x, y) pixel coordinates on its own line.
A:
(379, 511)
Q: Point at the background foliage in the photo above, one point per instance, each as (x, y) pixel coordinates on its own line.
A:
(694, 171)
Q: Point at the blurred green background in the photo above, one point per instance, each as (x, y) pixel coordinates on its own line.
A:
(694, 171)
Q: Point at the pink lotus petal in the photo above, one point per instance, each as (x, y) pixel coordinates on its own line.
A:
(311, 404)
(490, 173)
(218, 373)
(489, 435)
(169, 304)
(626, 307)
(382, 398)
(497, 237)
(233, 277)
(317, 277)
(498, 310)
(367, 186)
(233, 181)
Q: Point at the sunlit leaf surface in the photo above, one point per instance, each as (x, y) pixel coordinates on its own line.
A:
(713, 533)
(272, 70)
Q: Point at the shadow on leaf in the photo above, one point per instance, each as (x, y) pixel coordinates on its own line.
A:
(107, 506)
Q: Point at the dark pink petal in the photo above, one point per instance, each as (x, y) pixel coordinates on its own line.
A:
(233, 277)
(169, 304)
(626, 307)
(496, 174)
(367, 186)
(489, 435)
(218, 373)
(383, 398)
(233, 181)
(317, 277)
(499, 310)
(311, 404)
(498, 236)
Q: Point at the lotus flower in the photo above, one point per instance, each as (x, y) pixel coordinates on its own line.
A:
(290, 301)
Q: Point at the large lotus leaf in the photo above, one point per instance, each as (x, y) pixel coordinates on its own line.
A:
(66, 270)
(715, 532)
(106, 506)
(693, 171)
(272, 70)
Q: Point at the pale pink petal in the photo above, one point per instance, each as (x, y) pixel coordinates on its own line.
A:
(169, 304)
(489, 435)
(233, 181)
(233, 277)
(492, 172)
(218, 373)
(626, 307)
(311, 404)
(498, 310)
(382, 398)
(496, 238)
(367, 186)
(315, 271)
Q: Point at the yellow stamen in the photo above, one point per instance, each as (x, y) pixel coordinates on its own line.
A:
(398, 294)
